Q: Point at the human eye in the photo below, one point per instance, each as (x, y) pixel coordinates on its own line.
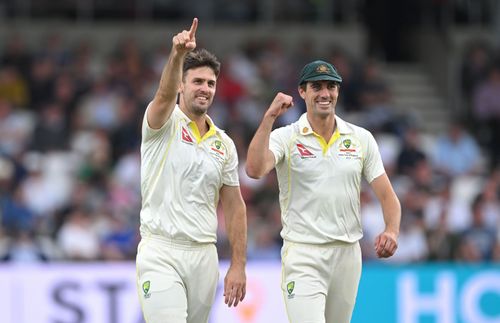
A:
(316, 86)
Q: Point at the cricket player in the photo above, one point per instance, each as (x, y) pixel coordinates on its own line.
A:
(320, 161)
(188, 165)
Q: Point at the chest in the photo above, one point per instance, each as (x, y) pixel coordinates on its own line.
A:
(343, 158)
(193, 158)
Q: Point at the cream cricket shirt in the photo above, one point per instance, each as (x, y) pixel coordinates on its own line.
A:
(320, 182)
(181, 175)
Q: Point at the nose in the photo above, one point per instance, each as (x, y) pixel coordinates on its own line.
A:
(204, 87)
(324, 92)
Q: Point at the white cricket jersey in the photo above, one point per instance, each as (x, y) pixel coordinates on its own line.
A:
(320, 182)
(181, 175)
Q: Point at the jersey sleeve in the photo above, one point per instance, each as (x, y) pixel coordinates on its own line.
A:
(151, 135)
(278, 143)
(230, 175)
(372, 161)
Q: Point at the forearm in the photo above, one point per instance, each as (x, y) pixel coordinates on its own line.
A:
(391, 209)
(258, 159)
(171, 77)
(236, 227)
(165, 98)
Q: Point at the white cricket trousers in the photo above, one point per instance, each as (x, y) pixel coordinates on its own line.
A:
(320, 282)
(176, 281)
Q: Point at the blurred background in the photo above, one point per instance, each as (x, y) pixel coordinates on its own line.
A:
(77, 75)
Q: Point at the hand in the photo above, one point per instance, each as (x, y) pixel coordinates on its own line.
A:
(185, 41)
(386, 244)
(280, 104)
(234, 286)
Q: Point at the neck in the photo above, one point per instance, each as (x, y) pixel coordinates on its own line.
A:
(199, 119)
(325, 127)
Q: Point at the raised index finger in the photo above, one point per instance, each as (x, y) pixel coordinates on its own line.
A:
(194, 26)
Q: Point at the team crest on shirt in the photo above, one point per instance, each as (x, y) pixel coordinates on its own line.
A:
(146, 286)
(218, 149)
(304, 152)
(348, 148)
(186, 137)
(289, 288)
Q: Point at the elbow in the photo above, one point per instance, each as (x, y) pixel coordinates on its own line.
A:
(253, 171)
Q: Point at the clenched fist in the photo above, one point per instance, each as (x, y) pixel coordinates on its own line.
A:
(281, 103)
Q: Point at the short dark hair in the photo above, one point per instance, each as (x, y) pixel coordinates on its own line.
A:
(303, 86)
(201, 58)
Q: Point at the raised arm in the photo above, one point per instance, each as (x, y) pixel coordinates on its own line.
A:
(236, 227)
(165, 98)
(386, 243)
(260, 160)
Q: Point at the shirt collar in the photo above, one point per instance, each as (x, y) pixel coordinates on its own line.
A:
(211, 124)
(306, 129)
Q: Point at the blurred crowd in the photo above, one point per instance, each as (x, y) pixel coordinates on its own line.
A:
(70, 136)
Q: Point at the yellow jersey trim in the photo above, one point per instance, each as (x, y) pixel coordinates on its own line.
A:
(196, 132)
(322, 141)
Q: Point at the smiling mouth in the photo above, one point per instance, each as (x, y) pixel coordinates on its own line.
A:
(323, 103)
(202, 99)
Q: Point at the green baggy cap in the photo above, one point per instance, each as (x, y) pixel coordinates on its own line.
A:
(319, 71)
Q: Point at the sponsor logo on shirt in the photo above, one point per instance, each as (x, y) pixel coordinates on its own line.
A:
(304, 152)
(186, 137)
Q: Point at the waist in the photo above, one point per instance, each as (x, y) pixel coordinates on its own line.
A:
(176, 243)
(333, 243)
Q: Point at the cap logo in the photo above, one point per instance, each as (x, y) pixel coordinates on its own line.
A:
(322, 69)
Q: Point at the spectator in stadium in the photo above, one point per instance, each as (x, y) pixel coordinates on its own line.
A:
(486, 112)
(187, 165)
(456, 152)
(319, 161)
(478, 242)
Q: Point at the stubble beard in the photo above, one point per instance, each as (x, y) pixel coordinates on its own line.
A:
(198, 109)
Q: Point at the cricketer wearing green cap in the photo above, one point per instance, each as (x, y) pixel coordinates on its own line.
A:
(320, 160)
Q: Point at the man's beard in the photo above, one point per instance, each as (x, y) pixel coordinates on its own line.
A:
(199, 110)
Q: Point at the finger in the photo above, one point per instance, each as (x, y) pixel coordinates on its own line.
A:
(194, 26)
(176, 40)
(231, 299)
(392, 249)
(191, 45)
(227, 295)
(380, 247)
(239, 296)
(386, 243)
(186, 36)
(236, 299)
(243, 294)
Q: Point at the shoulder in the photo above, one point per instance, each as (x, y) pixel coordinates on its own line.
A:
(224, 137)
(286, 131)
(350, 128)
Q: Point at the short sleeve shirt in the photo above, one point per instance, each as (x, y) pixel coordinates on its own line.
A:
(181, 176)
(320, 185)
